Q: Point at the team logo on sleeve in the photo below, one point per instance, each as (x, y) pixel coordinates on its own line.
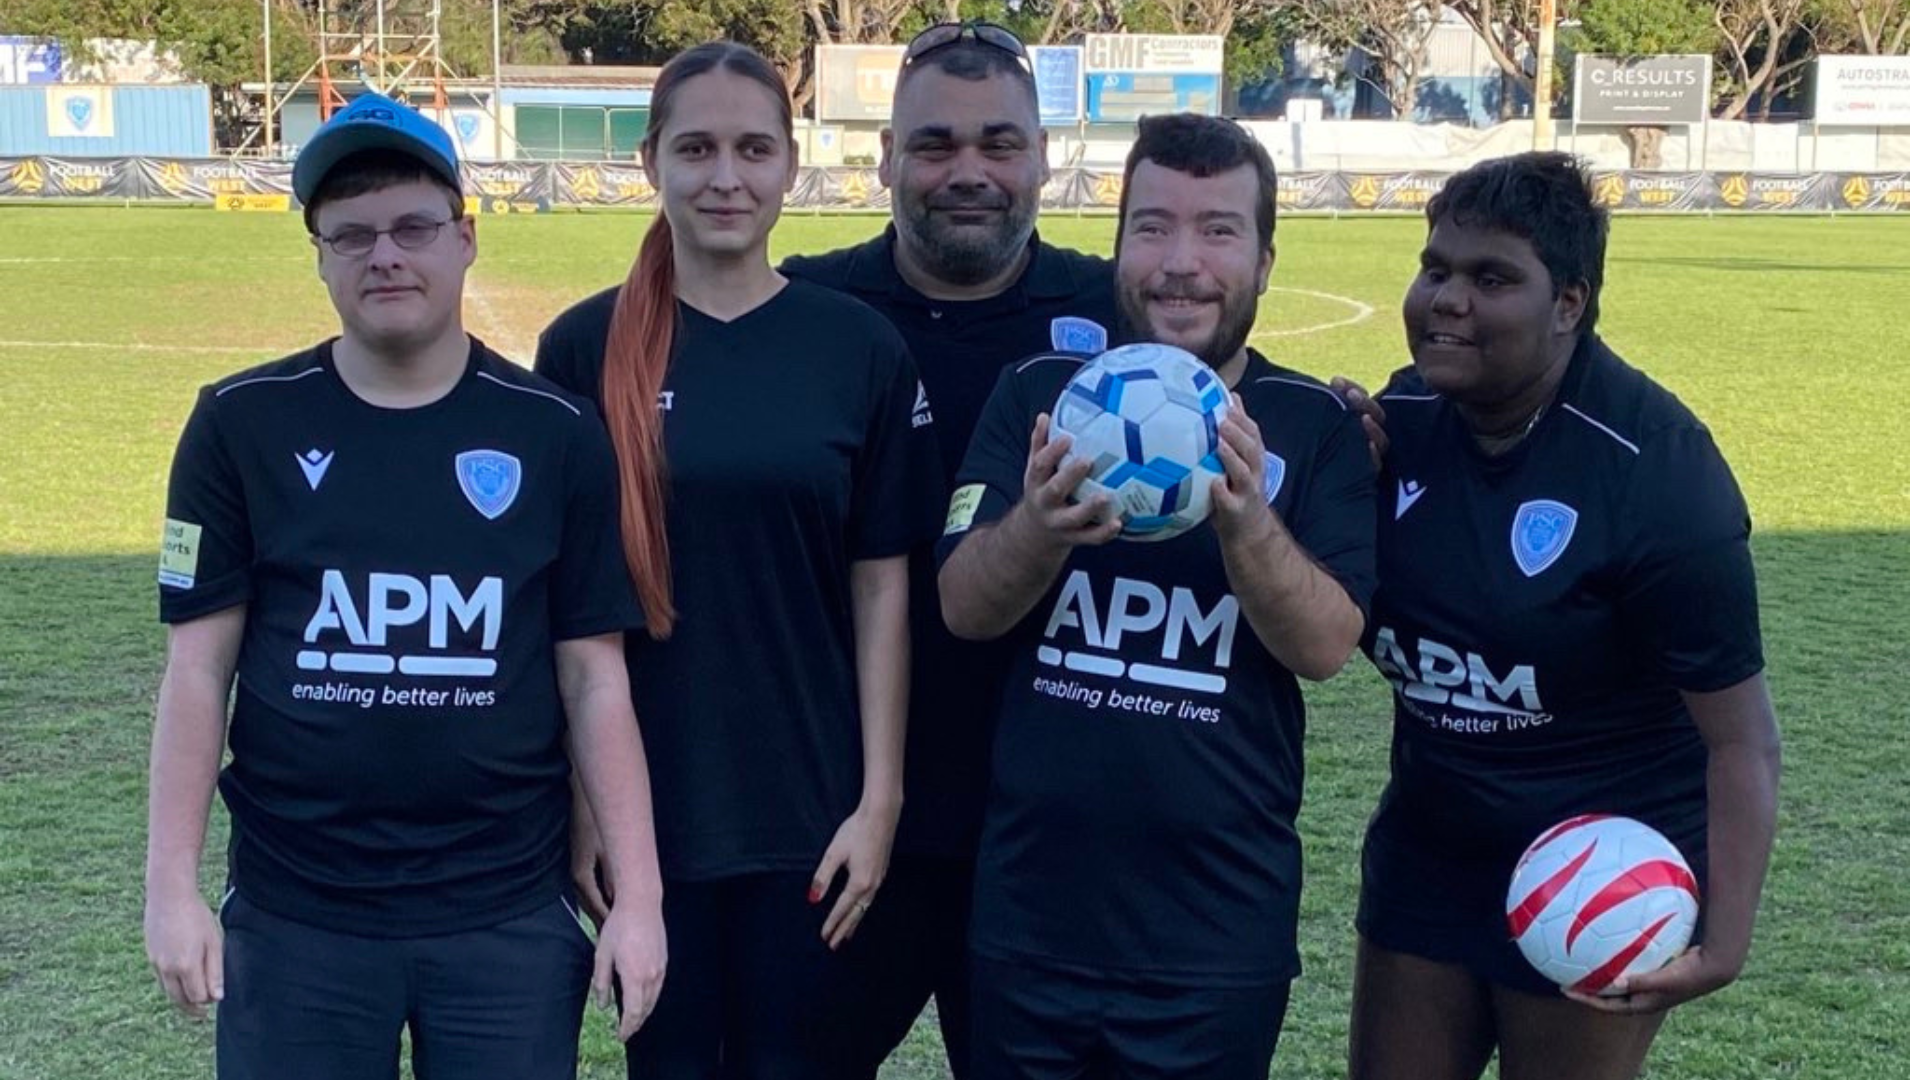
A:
(1275, 474)
(1540, 531)
(490, 479)
(1071, 334)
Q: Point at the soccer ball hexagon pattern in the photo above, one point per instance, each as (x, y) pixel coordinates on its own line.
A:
(1148, 417)
(1598, 898)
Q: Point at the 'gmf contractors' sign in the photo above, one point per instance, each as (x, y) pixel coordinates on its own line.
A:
(1641, 89)
(1861, 91)
(1156, 54)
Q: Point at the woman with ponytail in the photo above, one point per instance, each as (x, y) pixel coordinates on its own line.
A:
(777, 465)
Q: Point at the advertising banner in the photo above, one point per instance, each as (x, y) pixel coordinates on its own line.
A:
(1057, 82)
(1156, 54)
(530, 187)
(28, 61)
(1861, 91)
(1670, 89)
(507, 187)
(856, 82)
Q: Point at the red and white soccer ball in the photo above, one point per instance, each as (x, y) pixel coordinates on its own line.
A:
(1598, 898)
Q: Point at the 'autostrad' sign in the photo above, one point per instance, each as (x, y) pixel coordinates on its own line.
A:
(1641, 89)
(1861, 91)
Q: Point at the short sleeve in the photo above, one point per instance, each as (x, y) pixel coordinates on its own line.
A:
(591, 591)
(205, 555)
(557, 360)
(1689, 592)
(896, 499)
(988, 484)
(1336, 524)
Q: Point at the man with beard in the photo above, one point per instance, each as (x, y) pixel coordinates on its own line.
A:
(964, 277)
(1137, 891)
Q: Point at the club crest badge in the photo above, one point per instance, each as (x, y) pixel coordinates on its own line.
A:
(1540, 532)
(1276, 473)
(79, 112)
(1071, 334)
(467, 127)
(490, 479)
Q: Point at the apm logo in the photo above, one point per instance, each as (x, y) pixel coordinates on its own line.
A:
(1442, 676)
(28, 177)
(1167, 625)
(1735, 190)
(398, 602)
(1856, 192)
(1365, 192)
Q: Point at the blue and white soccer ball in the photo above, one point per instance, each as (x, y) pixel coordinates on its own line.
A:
(1148, 416)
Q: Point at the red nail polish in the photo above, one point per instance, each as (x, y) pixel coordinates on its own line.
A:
(815, 894)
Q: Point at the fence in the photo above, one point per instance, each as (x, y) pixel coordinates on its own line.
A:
(530, 187)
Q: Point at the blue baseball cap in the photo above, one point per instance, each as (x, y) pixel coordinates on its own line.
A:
(374, 122)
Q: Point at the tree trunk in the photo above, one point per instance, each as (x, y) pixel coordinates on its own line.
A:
(1647, 146)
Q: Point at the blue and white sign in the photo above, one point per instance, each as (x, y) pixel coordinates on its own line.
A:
(1057, 82)
(1115, 97)
(28, 61)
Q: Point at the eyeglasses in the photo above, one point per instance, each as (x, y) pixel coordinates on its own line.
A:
(356, 241)
(943, 35)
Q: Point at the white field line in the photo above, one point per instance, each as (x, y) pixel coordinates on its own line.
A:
(263, 352)
(501, 334)
(1361, 312)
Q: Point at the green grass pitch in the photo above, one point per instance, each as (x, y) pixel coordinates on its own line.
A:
(1790, 337)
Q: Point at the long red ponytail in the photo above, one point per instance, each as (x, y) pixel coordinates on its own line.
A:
(636, 357)
(642, 331)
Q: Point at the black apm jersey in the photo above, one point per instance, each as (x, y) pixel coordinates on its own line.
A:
(397, 740)
(797, 442)
(1062, 300)
(1538, 614)
(1148, 766)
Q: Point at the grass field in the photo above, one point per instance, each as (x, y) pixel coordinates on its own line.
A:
(1790, 337)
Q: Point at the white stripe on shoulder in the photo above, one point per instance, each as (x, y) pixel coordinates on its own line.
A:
(575, 411)
(1626, 443)
(1033, 360)
(1409, 397)
(224, 390)
(1304, 386)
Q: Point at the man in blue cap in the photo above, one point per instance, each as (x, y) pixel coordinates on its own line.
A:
(401, 548)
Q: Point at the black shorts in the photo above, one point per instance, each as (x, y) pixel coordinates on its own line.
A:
(302, 1003)
(1035, 1023)
(1421, 899)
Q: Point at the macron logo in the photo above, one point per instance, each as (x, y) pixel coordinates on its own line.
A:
(920, 415)
(313, 464)
(1409, 493)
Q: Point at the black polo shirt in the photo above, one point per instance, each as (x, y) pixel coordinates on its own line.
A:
(960, 348)
(398, 764)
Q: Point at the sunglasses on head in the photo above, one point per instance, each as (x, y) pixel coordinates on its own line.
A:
(943, 35)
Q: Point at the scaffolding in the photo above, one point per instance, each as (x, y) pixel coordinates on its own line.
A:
(394, 47)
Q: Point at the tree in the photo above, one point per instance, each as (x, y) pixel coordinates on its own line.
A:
(1872, 27)
(1393, 35)
(1642, 28)
(1510, 30)
(1754, 38)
